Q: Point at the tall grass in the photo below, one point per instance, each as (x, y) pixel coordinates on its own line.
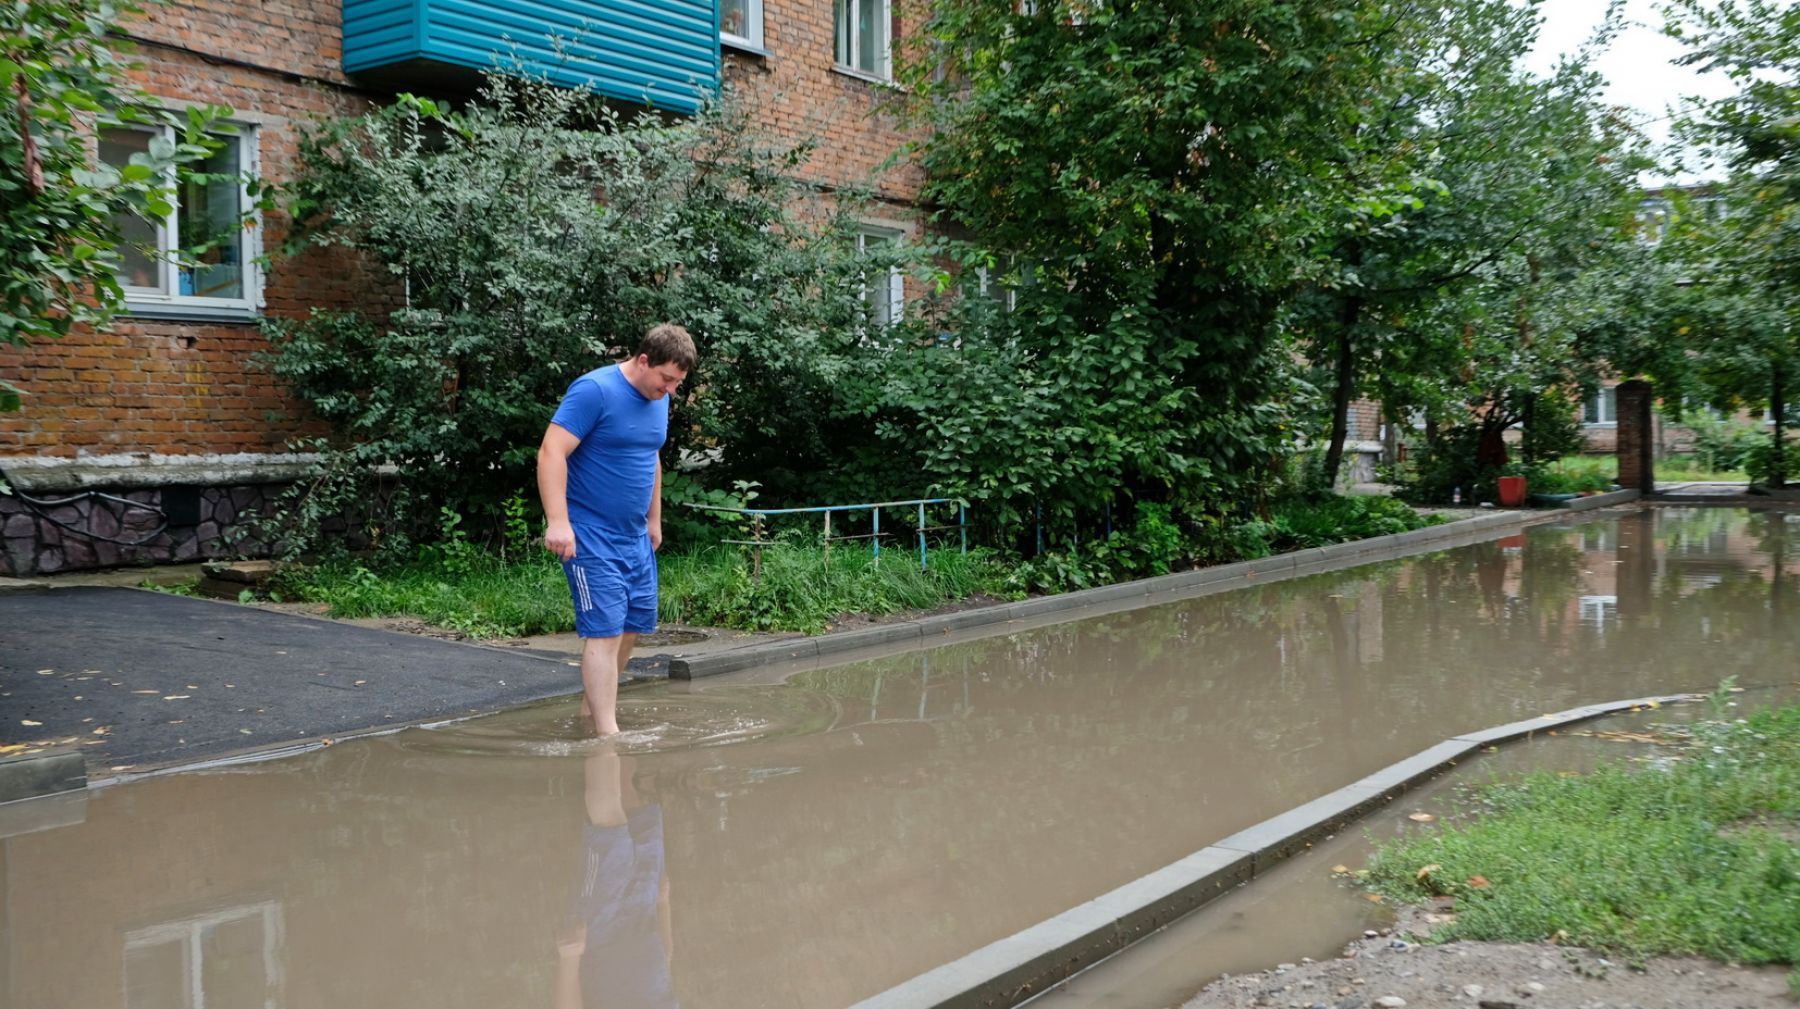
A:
(1702, 857)
(482, 596)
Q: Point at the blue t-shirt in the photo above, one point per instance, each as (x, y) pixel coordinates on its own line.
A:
(612, 473)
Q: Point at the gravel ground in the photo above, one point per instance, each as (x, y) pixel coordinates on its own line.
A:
(1384, 971)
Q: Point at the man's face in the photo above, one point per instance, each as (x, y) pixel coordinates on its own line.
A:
(659, 380)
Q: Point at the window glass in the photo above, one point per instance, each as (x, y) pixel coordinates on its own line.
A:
(883, 285)
(741, 19)
(1601, 408)
(141, 241)
(209, 211)
(862, 35)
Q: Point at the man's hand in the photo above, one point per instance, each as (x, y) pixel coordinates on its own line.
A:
(559, 539)
(655, 534)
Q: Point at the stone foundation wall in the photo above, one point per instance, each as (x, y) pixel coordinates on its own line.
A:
(32, 544)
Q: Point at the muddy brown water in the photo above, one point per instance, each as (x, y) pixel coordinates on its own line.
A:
(811, 843)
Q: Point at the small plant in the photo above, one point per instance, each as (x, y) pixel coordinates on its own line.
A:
(520, 537)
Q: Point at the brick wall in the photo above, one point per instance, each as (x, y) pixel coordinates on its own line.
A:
(796, 93)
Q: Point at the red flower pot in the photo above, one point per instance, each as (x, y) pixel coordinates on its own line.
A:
(1512, 491)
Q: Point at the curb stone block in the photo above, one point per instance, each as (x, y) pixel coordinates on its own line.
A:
(1013, 969)
(30, 776)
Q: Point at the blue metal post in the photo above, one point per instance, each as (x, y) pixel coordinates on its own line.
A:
(921, 537)
(962, 522)
(876, 539)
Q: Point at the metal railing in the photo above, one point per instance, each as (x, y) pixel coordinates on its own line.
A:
(758, 540)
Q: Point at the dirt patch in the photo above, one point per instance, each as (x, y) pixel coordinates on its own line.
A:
(1385, 970)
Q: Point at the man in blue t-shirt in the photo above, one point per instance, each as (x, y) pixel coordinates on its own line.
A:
(600, 478)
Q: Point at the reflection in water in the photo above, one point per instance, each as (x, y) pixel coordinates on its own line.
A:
(868, 821)
(615, 946)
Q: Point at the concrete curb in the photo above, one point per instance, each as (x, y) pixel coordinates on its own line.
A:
(1011, 970)
(39, 774)
(920, 633)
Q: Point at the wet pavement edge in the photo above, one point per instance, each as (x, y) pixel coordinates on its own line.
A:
(1021, 966)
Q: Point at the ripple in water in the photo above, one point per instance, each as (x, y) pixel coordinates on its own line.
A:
(650, 722)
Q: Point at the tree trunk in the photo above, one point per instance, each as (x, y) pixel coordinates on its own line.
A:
(1778, 429)
(1340, 395)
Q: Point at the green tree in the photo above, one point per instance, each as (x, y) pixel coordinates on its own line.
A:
(1743, 324)
(1473, 281)
(62, 69)
(1157, 173)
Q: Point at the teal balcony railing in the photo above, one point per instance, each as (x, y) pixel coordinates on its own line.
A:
(662, 54)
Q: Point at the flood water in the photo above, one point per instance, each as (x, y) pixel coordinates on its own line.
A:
(808, 844)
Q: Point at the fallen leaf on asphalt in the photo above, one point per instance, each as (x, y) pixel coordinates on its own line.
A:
(1478, 882)
(177, 697)
(192, 687)
(1426, 870)
(1421, 818)
(6, 748)
(80, 698)
(1342, 870)
(361, 682)
(27, 721)
(45, 672)
(245, 731)
(1373, 898)
(104, 730)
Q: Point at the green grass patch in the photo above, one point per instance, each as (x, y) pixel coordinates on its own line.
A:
(482, 596)
(1698, 856)
(1596, 472)
(799, 590)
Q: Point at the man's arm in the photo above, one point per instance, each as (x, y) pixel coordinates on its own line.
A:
(553, 490)
(655, 514)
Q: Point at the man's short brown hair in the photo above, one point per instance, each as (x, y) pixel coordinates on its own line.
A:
(667, 343)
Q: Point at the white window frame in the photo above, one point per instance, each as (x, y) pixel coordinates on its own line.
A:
(895, 281)
(986, 286)
(168, 301)
(845, 53)
(1604, 405)
(191, 934)
(752, 37)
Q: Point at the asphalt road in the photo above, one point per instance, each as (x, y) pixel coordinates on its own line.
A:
(136, 680)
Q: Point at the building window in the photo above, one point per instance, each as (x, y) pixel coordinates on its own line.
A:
(741, 21)
(1601, 409)
(862, 36)
(199, 259)
(883, 287)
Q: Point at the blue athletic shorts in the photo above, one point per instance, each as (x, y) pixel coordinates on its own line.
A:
(612, 595)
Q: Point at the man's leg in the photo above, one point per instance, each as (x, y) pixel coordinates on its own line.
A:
(600, 665)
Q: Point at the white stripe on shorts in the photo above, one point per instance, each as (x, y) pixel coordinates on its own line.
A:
(587, 601)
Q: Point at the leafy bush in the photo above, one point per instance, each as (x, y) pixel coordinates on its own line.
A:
(1552, 429)
(517, 278)
(1722, 444)
(1449, 464)
(1769, 463)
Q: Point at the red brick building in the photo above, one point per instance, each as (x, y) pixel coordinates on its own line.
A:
(165, 414)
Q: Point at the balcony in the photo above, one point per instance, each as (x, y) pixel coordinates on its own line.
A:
(662, 54)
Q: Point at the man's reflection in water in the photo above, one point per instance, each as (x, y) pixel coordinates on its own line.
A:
(615, 944)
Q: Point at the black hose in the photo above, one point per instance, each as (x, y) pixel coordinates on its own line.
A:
(38, 507)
